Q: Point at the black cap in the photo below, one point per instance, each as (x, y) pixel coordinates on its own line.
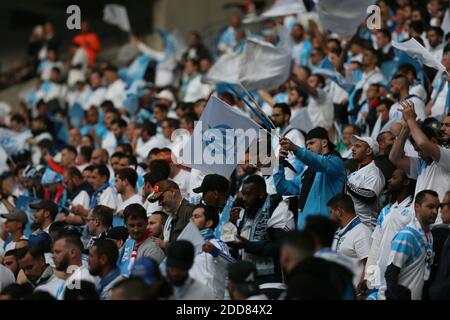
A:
(46, 205)
(42, 240)
(180, 255)
(117, 233)
(320, 133)
(213, 182)
(242, 272)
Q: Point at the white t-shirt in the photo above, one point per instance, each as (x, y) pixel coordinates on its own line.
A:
(392, 219)
(123, 204)
(368, 177)
(12, 244)
(80, 274)
(321, 110)
(419, 108)
(75, 75)
(417, 89)
(183, 179)
(435, 176)
(412, 252)
(109, 198)
(96, 98)
(116, 93)
(82, 198)
(143, 148)
(109, 142)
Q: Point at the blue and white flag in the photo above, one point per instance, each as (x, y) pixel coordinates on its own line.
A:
(117, 15)
(125, 263)
(417, 51)
(13, 142)
(220, 139)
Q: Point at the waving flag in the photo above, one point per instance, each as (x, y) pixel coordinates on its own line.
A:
(417, 51)
(284, 8)
(117, 15)
(216, 145)
(226, 69)
(265, 66)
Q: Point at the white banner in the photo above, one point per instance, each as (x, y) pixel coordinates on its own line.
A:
(117, 15)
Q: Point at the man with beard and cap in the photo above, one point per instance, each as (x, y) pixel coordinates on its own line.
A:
(180, 258)
(392, 218)
(38, 273)
(324, 178)
(44, 215)
(67, 255)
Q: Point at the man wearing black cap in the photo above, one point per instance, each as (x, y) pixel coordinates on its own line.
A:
(15, 224)
(215, 193)
(323, 179)
(180, 258)
(242, 284)
(45, 214)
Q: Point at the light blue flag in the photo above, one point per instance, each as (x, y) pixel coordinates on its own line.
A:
(76, 115)
(124, 262)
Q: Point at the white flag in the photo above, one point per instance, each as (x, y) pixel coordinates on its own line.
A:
(192, 234)
(117, 15)
(284, 8)
(342, 16)
(265, 66)
(216, 146)
(417, 51)
(445, 25)
(301, 120)
(226, 69)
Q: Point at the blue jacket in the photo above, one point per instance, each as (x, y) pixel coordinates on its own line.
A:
(329, 181)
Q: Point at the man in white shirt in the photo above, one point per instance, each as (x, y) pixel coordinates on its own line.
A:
(432, 168)
(148, 140)
(39, 274)
(411, 255)
(115, 91)
(415, 87)
(367, 183)
(436, 47)
(352, 239)
(98, 92)
(78, 65)
(182, 177)
(115, 136)
(126, 185)
(400, 91)
(67, 255)
(192, 88)
(392, 218)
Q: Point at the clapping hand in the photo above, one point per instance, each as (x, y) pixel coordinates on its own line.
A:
(408, 110)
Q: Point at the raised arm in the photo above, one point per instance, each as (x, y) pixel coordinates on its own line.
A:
(397, 155)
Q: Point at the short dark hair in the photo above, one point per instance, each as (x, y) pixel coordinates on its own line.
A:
(71, 149)
(438, 31)
(322, 228)
(74, 172)
(128, 174)
(173, 123)
(258, 181)
(161, 107)
(85, 291)
(128, 148)
(189, 117)
(163, 216)
(103, 171)
(104, 214)
(134, 211)
(134, 287)
(285, 109)
(161, 166)
(420, 197)
(35, 251)
(301, 241)
(407, 67)
(120, 122)
(342, 201)
(210, 213)
(72, 240)
(89, 168)
(149, 127)
(118, 154)
(386, 33)
(86, 152)
(109, 249)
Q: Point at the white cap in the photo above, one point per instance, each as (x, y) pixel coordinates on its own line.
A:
(373, 144)
(165, 94)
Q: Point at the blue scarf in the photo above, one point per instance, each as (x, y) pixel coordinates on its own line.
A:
(207, 234)
(349, 227)
(108, 279)
(96, 194)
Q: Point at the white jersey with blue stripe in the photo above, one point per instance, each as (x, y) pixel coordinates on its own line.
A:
(412, 252)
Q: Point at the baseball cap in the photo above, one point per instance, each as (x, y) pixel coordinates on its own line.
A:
(161, 187)
(117, 233)
(320, 133)
(242, 272)
(180, 255)
(50, 177)
(17, 215)
(46, 205)
(213, 182)
(165, 94)
(41, 240)
(147, 269)
(373, 144)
